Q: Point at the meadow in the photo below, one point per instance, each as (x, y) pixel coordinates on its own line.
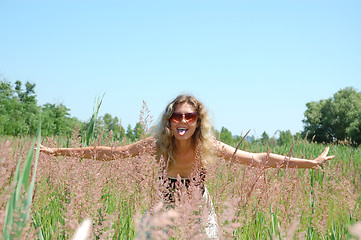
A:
(250, 203)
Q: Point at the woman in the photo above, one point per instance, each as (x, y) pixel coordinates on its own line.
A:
(185, 142)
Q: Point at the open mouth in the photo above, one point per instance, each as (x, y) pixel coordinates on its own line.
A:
(182, 131)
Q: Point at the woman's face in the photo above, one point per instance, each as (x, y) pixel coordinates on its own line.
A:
(184, 130)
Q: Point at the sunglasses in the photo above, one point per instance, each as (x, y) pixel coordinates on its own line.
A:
(189, 117)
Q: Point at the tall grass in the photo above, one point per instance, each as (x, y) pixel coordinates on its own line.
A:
(251, 203)
(18, 209)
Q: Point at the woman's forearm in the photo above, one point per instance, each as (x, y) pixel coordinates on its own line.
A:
(104, 153)
(96, 152)
(101, 153)
(280, 161)
(270, 159)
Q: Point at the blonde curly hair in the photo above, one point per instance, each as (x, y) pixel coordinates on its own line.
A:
(203, 138)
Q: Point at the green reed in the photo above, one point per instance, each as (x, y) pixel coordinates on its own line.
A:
(90, 134)
(18, 207)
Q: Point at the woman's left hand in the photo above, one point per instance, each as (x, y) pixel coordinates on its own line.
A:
(44, 149)
(323, 157)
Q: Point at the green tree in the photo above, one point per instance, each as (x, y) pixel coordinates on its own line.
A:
(121, 131)
(336, 118)
(354, 129)
(20, 114)
(27, 96)
(108, 122)
(272, 142)
(114, 125)
(226, 136)
(7, 101)
(298, 136)
(18, 109)
(267, 141)
(286, 137)
(138, 130)
(264, 138)
(130, 134)
(56, 120)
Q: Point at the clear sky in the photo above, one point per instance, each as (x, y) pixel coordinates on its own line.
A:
(254, 64)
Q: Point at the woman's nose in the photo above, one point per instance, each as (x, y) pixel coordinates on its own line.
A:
(184, 119)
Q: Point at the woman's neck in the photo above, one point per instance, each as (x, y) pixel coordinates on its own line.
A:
(184, 146)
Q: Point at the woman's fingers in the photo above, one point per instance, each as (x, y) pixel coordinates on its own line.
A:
(325, 152)
(330, 157)
(44, 149)
(323, 157)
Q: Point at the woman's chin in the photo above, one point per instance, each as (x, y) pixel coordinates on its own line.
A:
(182, 138)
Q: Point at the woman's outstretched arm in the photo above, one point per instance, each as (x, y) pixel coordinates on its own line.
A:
(101, 153)
(270, 159)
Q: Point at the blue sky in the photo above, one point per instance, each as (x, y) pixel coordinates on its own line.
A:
(254, 64)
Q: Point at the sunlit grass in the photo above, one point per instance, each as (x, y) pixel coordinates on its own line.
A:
(250, 203)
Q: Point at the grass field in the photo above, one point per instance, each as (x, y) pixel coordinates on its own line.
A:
(251, 203)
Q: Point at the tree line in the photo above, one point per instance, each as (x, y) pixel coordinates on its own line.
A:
(285, 138)
(335, 119)
(20, 115)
